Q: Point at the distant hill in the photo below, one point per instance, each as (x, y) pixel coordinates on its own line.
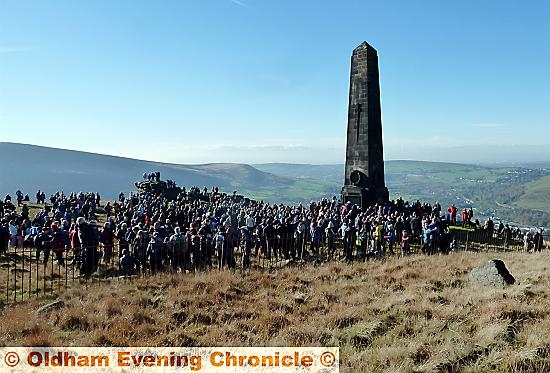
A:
(30, 167)
(515, 194)
(331, 172)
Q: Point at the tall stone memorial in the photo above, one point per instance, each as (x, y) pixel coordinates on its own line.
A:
(364, 177)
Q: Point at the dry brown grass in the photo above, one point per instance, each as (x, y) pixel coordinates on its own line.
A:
(417, 314)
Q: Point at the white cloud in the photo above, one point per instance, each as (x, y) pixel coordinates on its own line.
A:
(17, 49)
(276, 80)
(239, 3)
(191, 153)
(487, 125)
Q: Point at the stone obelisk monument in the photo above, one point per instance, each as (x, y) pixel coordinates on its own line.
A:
(364, 178)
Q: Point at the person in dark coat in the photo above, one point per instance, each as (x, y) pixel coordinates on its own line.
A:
(246, 246)
(89, 241)
(43, 243)
(154, 253)
(107, 240)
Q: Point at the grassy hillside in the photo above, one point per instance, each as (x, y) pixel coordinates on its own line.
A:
(416, 314)
(516, 194)
(508, 193)
(331, 172)
(536, 195)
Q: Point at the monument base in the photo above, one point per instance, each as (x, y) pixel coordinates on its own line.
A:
(364, 197)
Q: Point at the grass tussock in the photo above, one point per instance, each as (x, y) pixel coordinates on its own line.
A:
(415, 314)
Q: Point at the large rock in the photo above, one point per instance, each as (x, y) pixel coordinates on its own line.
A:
(158, 187)
(494, 273)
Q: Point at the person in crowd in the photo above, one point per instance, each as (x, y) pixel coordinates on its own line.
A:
(139, 248)
(198, 229)
(330, 236)
(154, 253)
(178, 250)
(43, 243)
(426, 239)
(75, 245)
(19, 196)
(58, 245)
(219, 243)
(89, 241)
(453, 210)
(13, 229)
(106, 238)
(245, 247)
(405, 244)
(527, 241)
(316, 233)
(127, 263)
(538, 240)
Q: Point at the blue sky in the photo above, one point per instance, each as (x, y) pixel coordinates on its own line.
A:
(194, 81)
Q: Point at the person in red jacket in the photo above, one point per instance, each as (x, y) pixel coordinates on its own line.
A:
(405, 244)
(75, 243)
(464, 217)
(57, 244)
(453, 210)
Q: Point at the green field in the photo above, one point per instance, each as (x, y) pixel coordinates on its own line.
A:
(514, 194)
(537, 195)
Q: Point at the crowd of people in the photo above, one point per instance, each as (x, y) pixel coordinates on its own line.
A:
(203, 229)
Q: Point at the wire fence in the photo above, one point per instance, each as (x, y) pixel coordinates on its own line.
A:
(26, 272)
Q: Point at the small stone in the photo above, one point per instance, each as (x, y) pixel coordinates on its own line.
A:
(20, 270)
(50, 306)
(300, 298)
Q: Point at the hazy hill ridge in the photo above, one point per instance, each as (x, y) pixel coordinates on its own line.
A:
(30, 167)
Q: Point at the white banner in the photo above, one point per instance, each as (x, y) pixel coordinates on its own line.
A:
(166, 359)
